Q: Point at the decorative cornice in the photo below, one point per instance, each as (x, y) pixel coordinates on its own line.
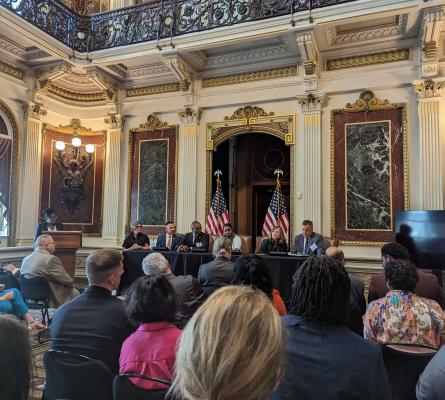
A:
(20, 51)
(148, 90)
(50, 87)
(368, 101)
(247, 112)
(76, 126)
(312, 102)
(309, 51)
(190, 115)
(251, 77)
(183, 72)
(33, 110)
(430, 32)
(428, 88)
(11, 70)
(154, 69)
(368, 59)
(153, 123)
(119, 69)
(115, 121)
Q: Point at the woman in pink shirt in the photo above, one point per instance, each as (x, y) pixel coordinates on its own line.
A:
(151, 350)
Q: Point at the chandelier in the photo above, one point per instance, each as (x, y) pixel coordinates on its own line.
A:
(75, 141)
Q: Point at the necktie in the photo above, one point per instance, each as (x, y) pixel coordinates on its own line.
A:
(194, 240)
(169, 241)
(305, 246)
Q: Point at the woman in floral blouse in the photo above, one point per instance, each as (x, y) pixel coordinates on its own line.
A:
(401, 317)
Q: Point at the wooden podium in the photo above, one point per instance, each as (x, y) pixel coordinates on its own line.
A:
(67, 243)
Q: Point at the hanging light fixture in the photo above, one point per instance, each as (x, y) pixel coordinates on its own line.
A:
(75, 141)
(89, 148)
(60, 145)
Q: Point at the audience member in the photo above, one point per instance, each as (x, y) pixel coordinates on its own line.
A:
(11, 302)
(48, 224)
(136, 239)
(324, 359)
(357, 301)
(229, 234)
(402, 317)
(151, 350)
(219, 272)
(276, 241)
(250, 270)
(431, 385)
(95, 323)
(189, 291)
(195, 239)
(230, 349)
(43, 262)
(169, 239)
(427, 286)
(308, 242)
(15, 360)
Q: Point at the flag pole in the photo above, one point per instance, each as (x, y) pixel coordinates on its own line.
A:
(218, 173)
(278, 172)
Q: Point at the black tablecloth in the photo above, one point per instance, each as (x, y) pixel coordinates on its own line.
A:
(281, 268)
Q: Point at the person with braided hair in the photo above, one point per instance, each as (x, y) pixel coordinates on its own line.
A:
(324, 359)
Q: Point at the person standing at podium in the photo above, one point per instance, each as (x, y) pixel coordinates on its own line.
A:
(49, 223)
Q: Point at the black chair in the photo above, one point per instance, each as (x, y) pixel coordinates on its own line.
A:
(36, 292)
(404, 364)
(76, 377)
(9, 280)
(124, 389)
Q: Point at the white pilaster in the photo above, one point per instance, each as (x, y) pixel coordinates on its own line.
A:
(188, 142)
(114, 4)
(430, 149)
(311, 107)
(110, 225)
(29, 197)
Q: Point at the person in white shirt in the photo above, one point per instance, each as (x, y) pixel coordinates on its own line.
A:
(229, 234)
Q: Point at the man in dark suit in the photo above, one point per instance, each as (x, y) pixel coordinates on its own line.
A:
(427, 286)
(95, 323)
(219, 272)
(195, 239)
(308, 242)
(357, 301)
(324, 359)
(49, 224)
(169, 239)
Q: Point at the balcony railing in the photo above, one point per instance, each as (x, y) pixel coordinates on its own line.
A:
(151, 21)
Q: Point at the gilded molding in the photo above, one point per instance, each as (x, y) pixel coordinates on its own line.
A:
(428, 88)
(115, 121)
(248, 112)
(251, 77)
(153, 124)
(69, 129)
(10, 70)
(368, 59)
(368, 101)
(33, 110)
(148, 90)
(104, 95)
(312, 102)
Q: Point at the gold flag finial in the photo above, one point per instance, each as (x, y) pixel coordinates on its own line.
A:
(218, 173)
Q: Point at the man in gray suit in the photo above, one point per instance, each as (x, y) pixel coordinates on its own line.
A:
(219, 272)
(308, 242)
(43, 262)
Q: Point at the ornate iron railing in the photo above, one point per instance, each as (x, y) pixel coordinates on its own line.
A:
(151, 21)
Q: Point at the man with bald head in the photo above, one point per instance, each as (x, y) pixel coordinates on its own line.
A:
(357, 302)
(43, 262)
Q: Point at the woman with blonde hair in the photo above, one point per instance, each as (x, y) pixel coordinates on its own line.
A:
(231, 349)
(276, 241)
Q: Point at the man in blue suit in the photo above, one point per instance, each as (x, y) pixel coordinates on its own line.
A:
(169, 239)
(308, 242)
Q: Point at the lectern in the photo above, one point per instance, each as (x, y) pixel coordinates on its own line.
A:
(67, 243)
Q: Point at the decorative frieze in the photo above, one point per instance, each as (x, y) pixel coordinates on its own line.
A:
(11, 70)
(428, 88)
(149, 90)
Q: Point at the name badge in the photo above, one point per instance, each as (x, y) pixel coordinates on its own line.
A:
(313, 247)
(198, 244)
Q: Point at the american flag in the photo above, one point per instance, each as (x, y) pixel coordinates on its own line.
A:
(218, 213)
(271, 220)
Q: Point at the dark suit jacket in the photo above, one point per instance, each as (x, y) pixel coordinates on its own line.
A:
(215, 274)
(202, 238)
(268, 245)
(141, 239)
(315, 238)
(43, 226)
(176, 240)
(331, 363)
(428, 287)
(93, 324)
(357, 305)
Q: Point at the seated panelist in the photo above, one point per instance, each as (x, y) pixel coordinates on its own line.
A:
(170, 238)
(49, 223)
(308, 242)
(276, 241)
(195, 239)
(229, 234)
(136, 239)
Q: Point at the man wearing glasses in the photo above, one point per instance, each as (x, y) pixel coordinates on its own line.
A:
(136, 239)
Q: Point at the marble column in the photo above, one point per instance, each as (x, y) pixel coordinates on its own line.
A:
(28, 211)
(112, 188)
(311, 106)
(188, 148)
(430, 146)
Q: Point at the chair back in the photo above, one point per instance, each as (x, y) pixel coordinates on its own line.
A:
(328, 242)
(35, 289)
(246, 243)
(124, 389)
(76, 377)
(259, 239)
(9, 280)
(212, 239)
(404, 364)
